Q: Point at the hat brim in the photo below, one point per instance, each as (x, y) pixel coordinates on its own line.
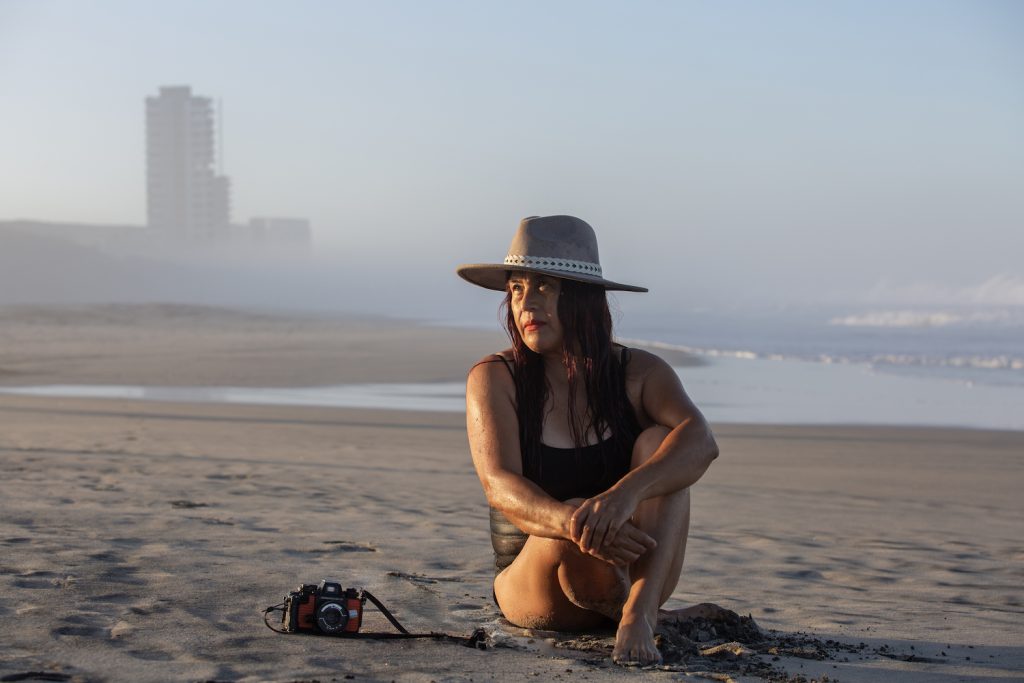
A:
(493, 276)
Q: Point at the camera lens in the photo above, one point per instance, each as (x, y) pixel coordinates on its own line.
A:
(331, 617)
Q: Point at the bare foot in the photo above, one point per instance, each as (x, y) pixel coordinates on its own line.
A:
(634, 643)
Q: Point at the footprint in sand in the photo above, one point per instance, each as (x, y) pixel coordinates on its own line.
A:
(147, 607)
(16, 540)
(800, 574)
(213, 521)
(81, 625)
(44, 579)
(85, 631)
(37, 676)
(151, 655)
(112, 597)
(344, 547)
(188, 504)
(413, 577)
(466, 607)
(105, 556)
(123, 574)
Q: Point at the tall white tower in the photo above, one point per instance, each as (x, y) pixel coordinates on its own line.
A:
(186, 198)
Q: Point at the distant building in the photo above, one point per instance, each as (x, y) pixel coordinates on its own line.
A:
(186, 198)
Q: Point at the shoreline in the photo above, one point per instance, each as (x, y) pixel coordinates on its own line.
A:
(391, 403)
(448, 397)
(210, 354)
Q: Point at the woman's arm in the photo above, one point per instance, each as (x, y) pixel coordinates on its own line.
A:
(493, 428)
(683, 457)
(688, 450)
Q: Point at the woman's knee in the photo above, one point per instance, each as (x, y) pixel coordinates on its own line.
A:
(540, 551)
(567, 557)
(647, 443)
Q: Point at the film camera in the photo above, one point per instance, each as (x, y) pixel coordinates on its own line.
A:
(324, 608)
(328, 609)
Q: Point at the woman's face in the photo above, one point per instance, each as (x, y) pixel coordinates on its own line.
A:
(534, 302)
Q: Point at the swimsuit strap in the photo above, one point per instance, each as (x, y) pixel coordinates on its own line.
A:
(494, 359)
(508, 364)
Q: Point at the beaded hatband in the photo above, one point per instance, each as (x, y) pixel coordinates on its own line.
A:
(564, 265)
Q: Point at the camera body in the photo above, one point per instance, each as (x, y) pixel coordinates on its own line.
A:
(325, 608)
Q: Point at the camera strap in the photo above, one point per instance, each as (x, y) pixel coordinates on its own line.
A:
(477, 639)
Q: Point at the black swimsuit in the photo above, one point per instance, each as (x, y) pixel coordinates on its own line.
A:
(562, 478)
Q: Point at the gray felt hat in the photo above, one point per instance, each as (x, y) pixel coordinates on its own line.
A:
(560, 246)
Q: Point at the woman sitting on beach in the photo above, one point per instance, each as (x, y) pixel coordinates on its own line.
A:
(586, 449)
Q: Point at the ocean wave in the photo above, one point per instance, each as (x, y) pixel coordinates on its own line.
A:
(924, 318)
(692, 350)
(1001, 362)
(969, 362)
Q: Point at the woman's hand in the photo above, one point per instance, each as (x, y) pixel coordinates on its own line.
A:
(629, 544)
(598, 521)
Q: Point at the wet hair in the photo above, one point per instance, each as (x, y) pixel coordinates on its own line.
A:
(589, 357)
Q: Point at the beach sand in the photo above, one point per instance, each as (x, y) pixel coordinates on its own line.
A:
(140, 540)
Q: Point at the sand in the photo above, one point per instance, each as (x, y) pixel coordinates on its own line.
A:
(140, 540)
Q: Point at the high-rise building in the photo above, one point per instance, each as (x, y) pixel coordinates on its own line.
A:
(186, 198)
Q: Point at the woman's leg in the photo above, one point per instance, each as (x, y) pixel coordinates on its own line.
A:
(552, 585)
(653, 577)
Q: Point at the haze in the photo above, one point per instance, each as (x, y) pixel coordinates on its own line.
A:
(728, 154)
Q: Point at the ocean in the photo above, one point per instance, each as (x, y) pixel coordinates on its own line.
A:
(915, 367)
(979, 346)
(955, 366)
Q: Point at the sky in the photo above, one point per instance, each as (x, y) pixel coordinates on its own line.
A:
(740, 153)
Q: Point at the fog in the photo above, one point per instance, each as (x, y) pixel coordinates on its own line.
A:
(38, 268)
(741, 157)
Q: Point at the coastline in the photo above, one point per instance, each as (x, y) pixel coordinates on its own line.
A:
(141, 538)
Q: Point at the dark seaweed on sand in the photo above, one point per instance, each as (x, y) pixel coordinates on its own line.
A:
(733, 645)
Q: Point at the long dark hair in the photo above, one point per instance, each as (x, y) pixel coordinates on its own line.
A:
(588, 356)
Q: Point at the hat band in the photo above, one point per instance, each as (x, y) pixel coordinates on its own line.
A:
(559, 264)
